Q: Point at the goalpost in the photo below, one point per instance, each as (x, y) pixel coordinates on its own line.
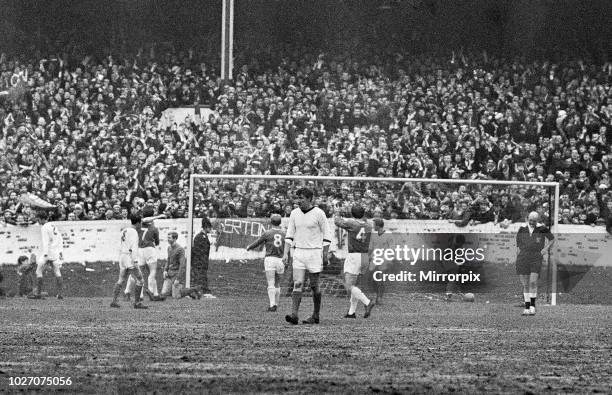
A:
(206, 190)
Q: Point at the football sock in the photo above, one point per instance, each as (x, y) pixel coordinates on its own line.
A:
(39, 284)
(153, 286)
(272, 296)
(360, 296)
(116, 292)
(527, 305)
(533, 301)
(137, 292)
(353, 306)
(60, 285)
(379, 290)
(129, 287)
(296, 298)
(276, 296)
(526, 296)
(316, 299)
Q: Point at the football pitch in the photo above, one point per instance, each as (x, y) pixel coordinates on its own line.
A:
(232, 345)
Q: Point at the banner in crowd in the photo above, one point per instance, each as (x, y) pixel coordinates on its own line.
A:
(91, 241)
(239, 232)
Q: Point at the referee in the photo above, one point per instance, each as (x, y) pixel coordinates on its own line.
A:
(200, 259)
(532, 246)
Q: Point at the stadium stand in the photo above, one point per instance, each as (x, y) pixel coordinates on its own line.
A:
(83, 132)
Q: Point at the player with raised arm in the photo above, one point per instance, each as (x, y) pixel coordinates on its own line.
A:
(128, 263)
(358, 232)
(52, 253)
(273, 261)
(308, 236)
(148, 241)
(531, 245)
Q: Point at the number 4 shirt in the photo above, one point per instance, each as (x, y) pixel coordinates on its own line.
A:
(359, 232)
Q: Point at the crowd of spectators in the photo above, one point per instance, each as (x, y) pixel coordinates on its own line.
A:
(84, 133)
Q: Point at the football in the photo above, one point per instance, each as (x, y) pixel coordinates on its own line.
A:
(468, 297)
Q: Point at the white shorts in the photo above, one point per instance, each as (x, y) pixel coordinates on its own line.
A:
(354, 262)
(126, 261)
(53, 256)
(147, 256)
(310, 259)
(55, 263)
(273, 263)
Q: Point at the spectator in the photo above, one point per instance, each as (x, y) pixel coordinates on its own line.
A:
(86, 131)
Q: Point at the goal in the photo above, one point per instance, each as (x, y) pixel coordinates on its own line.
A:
(487, 212)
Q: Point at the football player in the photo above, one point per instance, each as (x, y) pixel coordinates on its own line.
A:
(308, 236)
(378, 240)
(52, 253)
(175, 270)
(357, 261)
(148, 241)
(128, 263)
(26, 267)
(273, 261)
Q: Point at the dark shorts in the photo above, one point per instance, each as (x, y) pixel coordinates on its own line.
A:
(526, 266)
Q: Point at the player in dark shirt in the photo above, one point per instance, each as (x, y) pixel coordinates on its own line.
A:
(147, 246)
(531, 245)
(273, 239)
(359, 232)
(148, 242)
(174, 271)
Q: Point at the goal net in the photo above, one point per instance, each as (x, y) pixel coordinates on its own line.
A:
(421, 216)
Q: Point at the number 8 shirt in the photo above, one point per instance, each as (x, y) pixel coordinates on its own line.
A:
(274, 239)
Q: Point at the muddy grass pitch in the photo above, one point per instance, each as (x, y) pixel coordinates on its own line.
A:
(232, 344)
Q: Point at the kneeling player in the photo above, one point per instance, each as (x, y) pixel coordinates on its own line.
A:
(174, 271)
(359, 231)
(273, 262)
(26, 267)
(128, 263)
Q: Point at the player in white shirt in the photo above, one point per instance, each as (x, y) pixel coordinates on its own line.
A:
(52, 253)
(308, 237)
(148, 243)
(128, 263)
